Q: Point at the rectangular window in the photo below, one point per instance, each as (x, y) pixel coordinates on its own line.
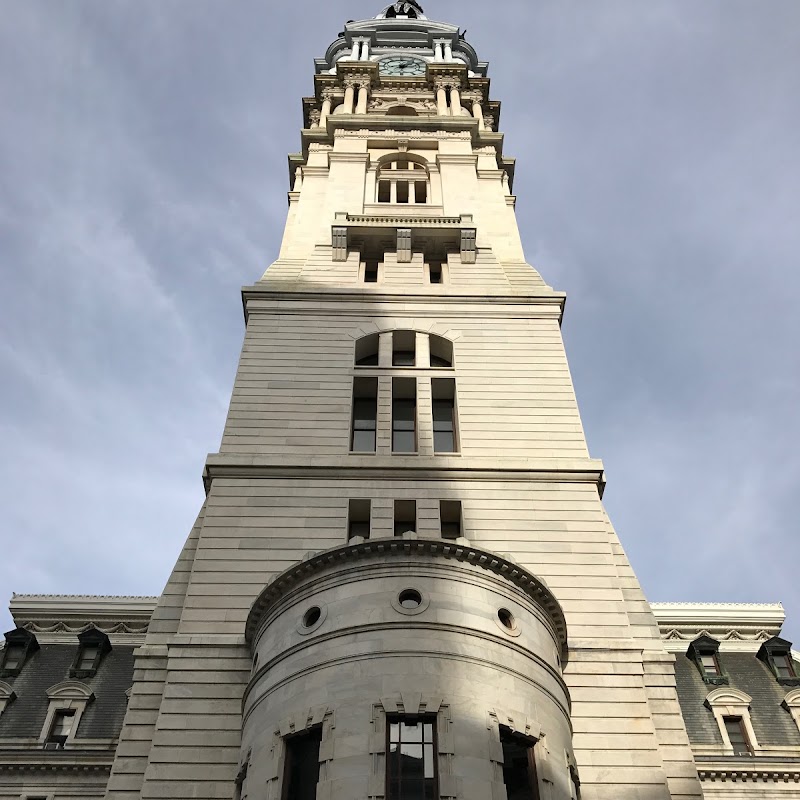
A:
(420, 192)
(435, 271)
(738, 736)
(519, 767)
(402, 191)
(411, 769)
(13, 656)
(784, 668)
(358, 518)
(301, 767)
(88, 656)
(404, 349)
(710, 664)
(371, 271)
(384, 192)
(60, 729)
(444, 415)
(365, 415)
(405, 516)
(450, 514)
(404, 415)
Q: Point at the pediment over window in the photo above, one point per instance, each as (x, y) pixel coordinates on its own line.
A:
(7, 694)
(70, 690)
(728, 697)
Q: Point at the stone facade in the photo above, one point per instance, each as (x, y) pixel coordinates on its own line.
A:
(403, 525)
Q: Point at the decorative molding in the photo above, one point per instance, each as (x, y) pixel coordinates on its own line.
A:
(748, 775)
(392, 547)
(7, 695)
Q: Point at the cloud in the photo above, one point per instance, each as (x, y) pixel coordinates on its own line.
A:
(144, 179)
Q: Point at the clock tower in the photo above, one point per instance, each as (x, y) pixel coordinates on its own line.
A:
(403, 583)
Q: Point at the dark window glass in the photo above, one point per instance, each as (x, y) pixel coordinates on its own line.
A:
(450, 514)
(405, 516)
(444, 415)
(402, 191)
(14, 653)
(365, 415)
(61, 728)
(367, 351)
(371, 272)
(784, 668)
(444, 440)
(420, 191)
(384, 192)
(519, 767)
(404, 415)
(435, 272)
(404, 349)
(441, 353)
(301, 771)
(88, 656)
(411, 772)
(710, 664)
(358, 518)
(738, 736)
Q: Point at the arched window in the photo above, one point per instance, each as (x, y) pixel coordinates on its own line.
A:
(401, 111)
(403, 179)
(404, 353)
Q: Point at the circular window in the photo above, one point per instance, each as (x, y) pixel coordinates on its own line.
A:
(410, 602)
(410, 599)
(507, 622)
(506, 618)
(311, 617)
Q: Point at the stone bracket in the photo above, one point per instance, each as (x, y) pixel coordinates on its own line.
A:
(351, 231)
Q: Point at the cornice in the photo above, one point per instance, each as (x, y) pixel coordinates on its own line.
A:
(713, 769)
(390, 548)
(737, 626)
(60, 618)
(219, 465)
(69, 760)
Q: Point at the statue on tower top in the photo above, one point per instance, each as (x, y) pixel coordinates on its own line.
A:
(406, 8)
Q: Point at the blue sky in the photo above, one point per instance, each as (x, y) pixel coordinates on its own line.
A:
(142, 182)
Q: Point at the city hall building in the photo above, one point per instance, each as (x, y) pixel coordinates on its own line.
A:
(402, 584)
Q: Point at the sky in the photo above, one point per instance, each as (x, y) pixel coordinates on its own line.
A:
(143, 181)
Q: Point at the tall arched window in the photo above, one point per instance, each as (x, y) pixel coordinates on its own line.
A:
(403, 179)
(401, 357)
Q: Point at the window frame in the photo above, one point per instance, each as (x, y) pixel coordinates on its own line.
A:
(360, 386)
(773, 649)
(704, 647)
(738, 723)
(530, 745)
(407, 719)
(446, 387)
(406, 505)
(452, 505)
(408, 402)
(727, 702)
(90, 639)
(355, 507)
(315, 731)
(67, 696)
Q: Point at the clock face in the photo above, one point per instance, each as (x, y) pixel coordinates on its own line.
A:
(404, 66)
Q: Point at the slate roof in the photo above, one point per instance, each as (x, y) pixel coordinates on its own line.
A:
(25, 716)
(773, 725)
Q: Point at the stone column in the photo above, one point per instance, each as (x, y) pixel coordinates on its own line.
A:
(438, 51)
(365, 51)
(326, 109)
(477, 112)
(441, 100)
(393, 192)
(363, 96)
(455, 101)
(448, 51)
(356, 48)
(349, 94)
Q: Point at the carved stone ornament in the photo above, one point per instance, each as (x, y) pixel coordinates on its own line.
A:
(315, 116)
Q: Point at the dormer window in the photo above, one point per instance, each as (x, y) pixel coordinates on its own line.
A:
(60, 729)
(20, 646)
(704, 651)
(93, 645)
(777, 655)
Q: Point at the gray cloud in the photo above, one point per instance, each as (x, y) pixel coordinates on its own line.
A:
(143, 179)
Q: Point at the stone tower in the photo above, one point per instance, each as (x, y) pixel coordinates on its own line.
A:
(402, 583)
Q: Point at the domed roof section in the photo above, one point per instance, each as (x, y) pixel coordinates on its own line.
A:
(408, 9)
